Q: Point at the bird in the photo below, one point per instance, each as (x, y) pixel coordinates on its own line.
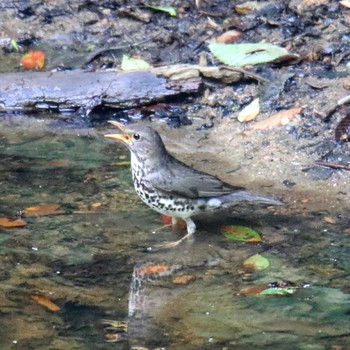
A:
(172, 187)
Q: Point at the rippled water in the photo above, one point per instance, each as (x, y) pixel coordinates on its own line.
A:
(91, 260)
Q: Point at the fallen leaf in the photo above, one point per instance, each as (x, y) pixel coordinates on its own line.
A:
(280, 118)
(6, 222)
(342, 130)
(154, 269)
(43, 209)
(212, 23)
(129, 63)
(330, 220)
(249, 6)
(229, 37)
(239, 55)
(345, 3)
(184, 279)
(240, 233)
(168, 9)
(256, 262)
(33, 60)
(60, 163)
(14, 44)
(249, 112)
(316, 83)
(252, 290)
(96, 205)
(121, 163)
(347, 230)
(44, 301)
(278, 291)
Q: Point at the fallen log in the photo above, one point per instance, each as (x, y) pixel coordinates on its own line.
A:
(68, 91)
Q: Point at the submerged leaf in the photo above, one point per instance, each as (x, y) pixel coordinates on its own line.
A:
(278, 291)
(248, 54)
(183, 279)
(256, 262)
(241, 233)
(44, 301)
(129, 63)
(147, 270)
(43, 209)
(6, 222)
(168, 9)
(252, 290)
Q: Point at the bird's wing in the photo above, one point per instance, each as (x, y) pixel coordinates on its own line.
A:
(179, 179)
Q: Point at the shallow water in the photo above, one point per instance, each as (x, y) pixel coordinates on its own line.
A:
(91, 259)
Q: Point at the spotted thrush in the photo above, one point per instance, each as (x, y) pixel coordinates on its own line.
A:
(173, 188)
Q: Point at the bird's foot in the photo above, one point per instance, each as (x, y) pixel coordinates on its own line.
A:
(191, 228)
(161, 228)
(174, 244)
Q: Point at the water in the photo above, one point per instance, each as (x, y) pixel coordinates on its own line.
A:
(91, 260)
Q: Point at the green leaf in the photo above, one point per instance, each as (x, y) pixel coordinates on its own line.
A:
(14, 44)
(241, 233)
(278, 291)
(168, 9)
(246, 54)
(129, 63)
(256, 262)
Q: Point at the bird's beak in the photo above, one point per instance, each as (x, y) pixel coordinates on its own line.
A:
(119, 137)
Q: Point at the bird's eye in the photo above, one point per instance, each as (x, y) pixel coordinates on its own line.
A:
(136, 136)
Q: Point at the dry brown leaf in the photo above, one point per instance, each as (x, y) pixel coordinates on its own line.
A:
(316, 2)
(60, 163)
(347, 230)
(121, 163)
(154, 269)
(43, 209)
(6, 222)
(45, 301)
(330, 220)
(345, 3)
(229, 37)
(96, 205)
(248, 7)
(252, 290)
(184, 279)
(280, 118)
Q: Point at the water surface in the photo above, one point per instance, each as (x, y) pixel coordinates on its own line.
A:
(90, 258)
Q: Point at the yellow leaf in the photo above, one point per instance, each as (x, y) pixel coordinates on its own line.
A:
(249, 112)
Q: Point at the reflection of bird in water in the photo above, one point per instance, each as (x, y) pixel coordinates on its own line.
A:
(145, 303)
(172, 187)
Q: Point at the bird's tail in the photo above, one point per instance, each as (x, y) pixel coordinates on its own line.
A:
(246, 196)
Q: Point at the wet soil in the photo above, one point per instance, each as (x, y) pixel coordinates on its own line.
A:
(88, 259)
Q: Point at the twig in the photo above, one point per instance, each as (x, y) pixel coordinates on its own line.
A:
(334, 165)
(93, 55)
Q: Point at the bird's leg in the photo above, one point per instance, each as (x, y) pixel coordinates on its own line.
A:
(191, 228)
